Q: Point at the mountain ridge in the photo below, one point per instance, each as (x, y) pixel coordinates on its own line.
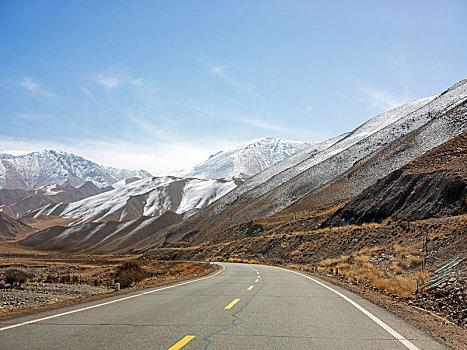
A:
(34, 170)
(246, 160)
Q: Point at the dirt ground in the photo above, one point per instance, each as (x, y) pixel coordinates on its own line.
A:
(57, 280)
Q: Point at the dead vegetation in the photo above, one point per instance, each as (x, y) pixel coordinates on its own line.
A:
(395, 271)
(36, 282)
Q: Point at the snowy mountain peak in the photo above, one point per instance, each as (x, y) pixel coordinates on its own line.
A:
(49, 167)
(247, 160)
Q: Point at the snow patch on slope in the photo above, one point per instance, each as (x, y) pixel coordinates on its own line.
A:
(199, 193)
(154, 195)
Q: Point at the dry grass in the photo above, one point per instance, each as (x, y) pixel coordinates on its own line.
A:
(99, 270)
(395, 271)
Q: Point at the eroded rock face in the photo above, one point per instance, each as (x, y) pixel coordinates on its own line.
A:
(435, 185)
(407, 196)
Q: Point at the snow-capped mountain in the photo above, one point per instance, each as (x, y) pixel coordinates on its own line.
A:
(37, 169)
(247, 160)
(321, 174)
(151, 196)
(316, 167)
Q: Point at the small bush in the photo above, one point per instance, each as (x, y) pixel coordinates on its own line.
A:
(51, 279)
(15, 277)
(129, 273)
(65, 279)
(75, 279)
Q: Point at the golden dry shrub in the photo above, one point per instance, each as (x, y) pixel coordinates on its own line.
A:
(129, 273)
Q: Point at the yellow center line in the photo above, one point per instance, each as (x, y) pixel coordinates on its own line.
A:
(250, 287)
(231, 304)
(256, 281)
(182, 342)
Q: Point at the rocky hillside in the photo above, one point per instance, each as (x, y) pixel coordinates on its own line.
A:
(321, 176)
(434, 185)
(436, 119)
(35, 170)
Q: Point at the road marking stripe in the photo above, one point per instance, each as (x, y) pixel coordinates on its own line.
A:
(257, 273)
(182, 342)
(391, 331)
(250, 287)
(256, 281)
(231, 305)
(108, 302)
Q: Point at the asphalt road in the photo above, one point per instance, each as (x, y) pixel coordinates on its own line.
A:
(238, 307)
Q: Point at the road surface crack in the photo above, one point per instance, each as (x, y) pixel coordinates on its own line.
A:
(235, 322)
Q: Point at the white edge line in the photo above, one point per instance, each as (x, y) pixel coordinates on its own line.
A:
(391, 331)
(109, 302)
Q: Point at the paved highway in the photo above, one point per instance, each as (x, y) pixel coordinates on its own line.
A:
(239, 307)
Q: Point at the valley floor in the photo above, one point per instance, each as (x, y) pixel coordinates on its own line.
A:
(56, 280)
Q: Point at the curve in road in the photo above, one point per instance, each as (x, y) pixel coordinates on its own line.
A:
(238, 307)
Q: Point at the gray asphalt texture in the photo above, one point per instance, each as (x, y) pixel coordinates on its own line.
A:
(284, 310)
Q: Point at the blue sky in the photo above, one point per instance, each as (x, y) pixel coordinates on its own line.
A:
(161, 85)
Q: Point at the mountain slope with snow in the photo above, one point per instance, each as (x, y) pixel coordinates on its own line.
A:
(17, 203)
(269, 192)
(147, 197)
(246, 161)
(37, 169)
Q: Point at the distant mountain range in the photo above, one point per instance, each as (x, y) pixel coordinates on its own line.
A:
(247, 160)
(37, 169)
(57, 183)
(201, 212)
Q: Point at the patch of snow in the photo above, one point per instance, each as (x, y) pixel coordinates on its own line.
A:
(199, 193)
(51, 190)
(157, 194)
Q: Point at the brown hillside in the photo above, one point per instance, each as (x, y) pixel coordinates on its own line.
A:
(434, 185)
(12, 229)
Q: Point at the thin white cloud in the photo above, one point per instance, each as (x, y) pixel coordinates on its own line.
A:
(137, 81)
(29, 84)
(383, 100)
(107, 81)
(89, 94)
(31, 87)
(265, 125)
(220, 71)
